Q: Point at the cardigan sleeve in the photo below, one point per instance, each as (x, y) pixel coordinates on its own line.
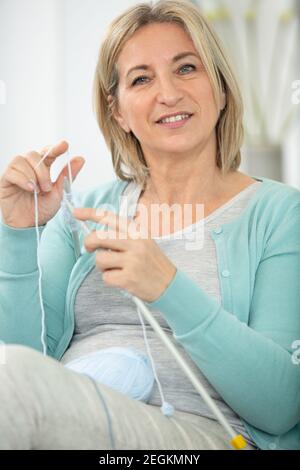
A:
(250, 365)
(20, 308)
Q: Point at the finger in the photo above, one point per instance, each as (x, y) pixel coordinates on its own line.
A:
(20, 165)
(42, 172)
(18, 178)
(101, 216)
(126, 227)
(53, 151)
(106, 240)
(114, 277)
(109, 260)
(76, 165)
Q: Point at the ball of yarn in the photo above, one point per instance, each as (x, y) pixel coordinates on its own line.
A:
(126, 370)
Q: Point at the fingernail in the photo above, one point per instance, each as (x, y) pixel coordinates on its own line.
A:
(32, 186)
(100, 213)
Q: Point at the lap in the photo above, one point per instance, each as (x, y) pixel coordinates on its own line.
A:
(67, 410)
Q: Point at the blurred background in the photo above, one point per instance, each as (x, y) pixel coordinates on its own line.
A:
(48, 53)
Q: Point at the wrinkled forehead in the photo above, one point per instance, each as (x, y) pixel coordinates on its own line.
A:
(155, 43)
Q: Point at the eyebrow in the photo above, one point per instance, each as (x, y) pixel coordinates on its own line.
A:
(176, 58)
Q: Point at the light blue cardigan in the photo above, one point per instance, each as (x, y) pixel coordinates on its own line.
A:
(243, 347)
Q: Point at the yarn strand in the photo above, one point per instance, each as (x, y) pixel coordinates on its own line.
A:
(44, 347)
(166, 408)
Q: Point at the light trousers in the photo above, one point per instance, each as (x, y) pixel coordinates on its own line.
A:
(44, 405)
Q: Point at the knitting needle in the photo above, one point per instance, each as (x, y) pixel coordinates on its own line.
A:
(237, 440)
(73, 227)
(83, 224)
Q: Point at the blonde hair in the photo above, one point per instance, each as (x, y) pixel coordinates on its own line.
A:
(124, 147)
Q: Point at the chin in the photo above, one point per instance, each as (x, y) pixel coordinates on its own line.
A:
(177, 146)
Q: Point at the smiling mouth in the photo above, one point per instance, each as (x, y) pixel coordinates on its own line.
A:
(176, 123)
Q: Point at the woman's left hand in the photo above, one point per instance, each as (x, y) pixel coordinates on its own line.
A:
(135, 262)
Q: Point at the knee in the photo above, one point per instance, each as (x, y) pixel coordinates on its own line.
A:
(16, 355)
(23, 369)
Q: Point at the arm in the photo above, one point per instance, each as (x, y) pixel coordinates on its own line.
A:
(249, 365)
(20, 310)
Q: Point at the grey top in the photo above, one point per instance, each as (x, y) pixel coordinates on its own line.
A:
(105, 318)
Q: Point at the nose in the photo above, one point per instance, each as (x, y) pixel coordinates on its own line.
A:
(168, 92)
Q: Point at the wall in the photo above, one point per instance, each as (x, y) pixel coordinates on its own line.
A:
(48, 52)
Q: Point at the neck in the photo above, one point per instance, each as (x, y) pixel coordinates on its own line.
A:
(185, 187)
(184, 177)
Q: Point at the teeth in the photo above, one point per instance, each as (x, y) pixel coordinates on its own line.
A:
(179, 117)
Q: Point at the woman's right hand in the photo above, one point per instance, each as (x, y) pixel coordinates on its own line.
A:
(17, 198)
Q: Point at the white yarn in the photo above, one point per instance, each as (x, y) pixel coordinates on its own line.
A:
(40, 269)
(166, 408)
(124, 369)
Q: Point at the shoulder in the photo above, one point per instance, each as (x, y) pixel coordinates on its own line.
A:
(276, 199)
(278, 218)
(273, 210)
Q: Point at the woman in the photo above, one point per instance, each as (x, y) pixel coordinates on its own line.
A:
(232, 307)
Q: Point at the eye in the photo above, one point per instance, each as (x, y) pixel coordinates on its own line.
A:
(135, 81)
(187, 65)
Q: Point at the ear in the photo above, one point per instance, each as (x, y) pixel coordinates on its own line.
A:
(116, 114)
(223, 100)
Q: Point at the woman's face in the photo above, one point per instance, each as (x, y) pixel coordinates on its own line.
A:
(165, 85)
